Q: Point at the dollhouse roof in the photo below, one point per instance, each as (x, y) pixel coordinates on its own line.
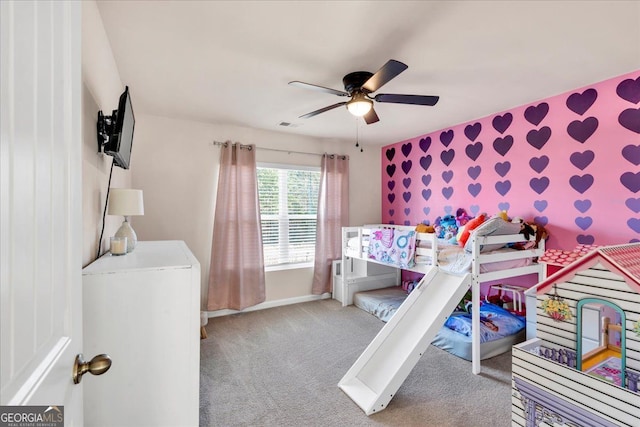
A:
(620, 259)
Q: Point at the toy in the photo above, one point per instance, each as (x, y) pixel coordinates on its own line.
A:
(425, 228)
(446, 227)
(462, 217)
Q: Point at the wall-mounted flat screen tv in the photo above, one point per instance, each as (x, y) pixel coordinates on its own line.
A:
(121, 139)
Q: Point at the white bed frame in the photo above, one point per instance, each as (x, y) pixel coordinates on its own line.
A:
(357, 271)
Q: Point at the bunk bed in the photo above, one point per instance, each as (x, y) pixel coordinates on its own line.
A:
(361, 273)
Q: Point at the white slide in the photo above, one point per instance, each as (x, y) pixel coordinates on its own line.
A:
(379, 372)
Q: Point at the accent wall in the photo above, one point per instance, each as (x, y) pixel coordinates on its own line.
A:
(570, 163)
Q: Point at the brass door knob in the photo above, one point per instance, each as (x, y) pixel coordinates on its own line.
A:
(96, 366)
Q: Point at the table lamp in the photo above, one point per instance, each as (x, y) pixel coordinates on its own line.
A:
(126, 202)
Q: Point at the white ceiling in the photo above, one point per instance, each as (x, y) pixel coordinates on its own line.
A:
(229, 62)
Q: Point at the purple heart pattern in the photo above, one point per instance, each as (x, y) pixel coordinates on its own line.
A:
(446, 137)
(474, 189)
(406, 166)
(538, 138)
(503, 145)
(536, 114)
(391, 152)
(425, 162)
(473, 151)
(540, 205)
(539, 164)
(474, 172)
(502, 168)
(630, 119)
(472, 131)
(631, 153)
(502, 123)
(633, 204)
(504, 206)
(549, 139)
(539, 185)
(579, 103)
(582, 205)
(447, 156)
(629, 90)
(503, 187)
(582, 159)
(391, 169)
(425, 143)
(582, 130)
(406, 149)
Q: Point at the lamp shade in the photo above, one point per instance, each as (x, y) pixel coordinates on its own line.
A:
(125, 202)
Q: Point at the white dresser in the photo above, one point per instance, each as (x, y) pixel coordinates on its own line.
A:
(143, 310)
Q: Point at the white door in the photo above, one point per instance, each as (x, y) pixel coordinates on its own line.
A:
(40, 204)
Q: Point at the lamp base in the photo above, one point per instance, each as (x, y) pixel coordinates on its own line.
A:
(125, 230)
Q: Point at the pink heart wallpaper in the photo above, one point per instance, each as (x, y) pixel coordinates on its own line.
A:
(570, 163)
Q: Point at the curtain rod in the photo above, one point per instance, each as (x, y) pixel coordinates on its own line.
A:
(275, 149)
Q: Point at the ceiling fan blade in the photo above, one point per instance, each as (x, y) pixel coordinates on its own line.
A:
(322, 110)
(371, 117)
(388, 71)
(318, 88)
(407, 99)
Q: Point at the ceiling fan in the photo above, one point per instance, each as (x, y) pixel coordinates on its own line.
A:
(360, 84)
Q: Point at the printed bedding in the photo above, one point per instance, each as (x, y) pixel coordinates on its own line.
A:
(392, 246)
(451, 258)
(499, 329)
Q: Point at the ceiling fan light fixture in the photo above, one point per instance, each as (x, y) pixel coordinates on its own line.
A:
(359, 105)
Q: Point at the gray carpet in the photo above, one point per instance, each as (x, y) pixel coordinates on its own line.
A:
(281, 367)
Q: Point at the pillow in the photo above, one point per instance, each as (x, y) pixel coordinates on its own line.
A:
(495, 323)
(470, 226)
(495, 226)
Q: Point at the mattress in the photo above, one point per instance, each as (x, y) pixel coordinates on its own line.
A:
(460, 345)
(383, 303)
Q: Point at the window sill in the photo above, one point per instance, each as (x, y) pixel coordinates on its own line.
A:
(298, 266)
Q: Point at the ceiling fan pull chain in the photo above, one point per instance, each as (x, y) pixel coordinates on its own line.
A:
(358, 135)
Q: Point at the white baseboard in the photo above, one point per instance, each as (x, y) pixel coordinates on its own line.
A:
(270, 304)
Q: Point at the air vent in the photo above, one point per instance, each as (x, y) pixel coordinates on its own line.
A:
(289, 125)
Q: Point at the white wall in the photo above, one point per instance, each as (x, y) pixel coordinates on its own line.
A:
(100, 91)
(176, 165)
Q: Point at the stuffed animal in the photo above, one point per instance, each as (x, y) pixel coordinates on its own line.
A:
(533, 229)
(425, 228)
(446, 227)
(462, 217)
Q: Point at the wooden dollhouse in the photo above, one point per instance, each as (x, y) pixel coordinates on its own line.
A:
(583, 366)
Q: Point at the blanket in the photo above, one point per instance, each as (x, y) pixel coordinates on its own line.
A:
(392, 246)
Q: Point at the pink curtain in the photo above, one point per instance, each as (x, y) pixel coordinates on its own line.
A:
(236, 273)
(333, 214)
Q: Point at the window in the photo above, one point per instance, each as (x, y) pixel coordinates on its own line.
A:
(288, 211)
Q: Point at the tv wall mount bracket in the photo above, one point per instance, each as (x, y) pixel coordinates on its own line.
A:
(105, 127)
